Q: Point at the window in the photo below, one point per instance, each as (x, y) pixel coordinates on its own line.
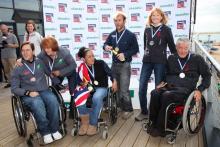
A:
(6, 3)
(6, 15)
(33, 5)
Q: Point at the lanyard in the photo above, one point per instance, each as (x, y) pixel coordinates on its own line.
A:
(153, 34)
(32, 71)
(91, 72)
(117, 40)
(51, 64)
(182, 67)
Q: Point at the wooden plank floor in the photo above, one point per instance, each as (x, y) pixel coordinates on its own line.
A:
(124, 133)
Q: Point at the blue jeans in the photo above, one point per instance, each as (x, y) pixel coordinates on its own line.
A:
(97, 104)
(45, 109)
(146, 71)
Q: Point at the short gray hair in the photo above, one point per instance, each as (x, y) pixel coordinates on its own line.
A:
(183, 40)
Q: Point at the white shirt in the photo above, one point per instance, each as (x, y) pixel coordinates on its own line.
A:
(36, 39)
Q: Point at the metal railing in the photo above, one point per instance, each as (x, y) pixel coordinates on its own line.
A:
(212, 94)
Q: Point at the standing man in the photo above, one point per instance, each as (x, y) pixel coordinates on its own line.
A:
(125, 45)
(8, 52)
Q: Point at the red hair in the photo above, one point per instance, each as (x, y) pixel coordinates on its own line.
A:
(50, 42)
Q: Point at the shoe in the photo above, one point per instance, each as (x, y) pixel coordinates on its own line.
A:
(126, 115)
(92, 130)
(141, 117)
(47, 138)
(57, 135)
(84, 125)
(7, 86)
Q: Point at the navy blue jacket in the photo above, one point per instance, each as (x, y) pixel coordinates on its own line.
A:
(128, 44)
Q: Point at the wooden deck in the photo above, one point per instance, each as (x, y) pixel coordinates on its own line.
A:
(124, 133)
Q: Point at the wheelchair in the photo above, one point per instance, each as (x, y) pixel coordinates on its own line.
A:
(189, 116)
(109, 110)
(22, 116)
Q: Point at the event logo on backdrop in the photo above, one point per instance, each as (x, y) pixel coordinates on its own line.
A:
(77, 23)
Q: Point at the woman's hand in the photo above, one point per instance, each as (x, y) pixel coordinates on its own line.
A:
(33, 94)
(114, 86)
(18, 62)
(56, 73)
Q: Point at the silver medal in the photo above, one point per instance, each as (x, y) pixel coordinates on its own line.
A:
(151, 43)
(96, 83)
(182, 75)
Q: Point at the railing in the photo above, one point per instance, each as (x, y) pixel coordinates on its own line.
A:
(212, 94)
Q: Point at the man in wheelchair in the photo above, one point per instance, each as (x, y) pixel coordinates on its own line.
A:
(29, 82)
(183, 72)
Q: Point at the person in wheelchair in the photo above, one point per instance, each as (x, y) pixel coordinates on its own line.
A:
(183, 71)
(95, 74)
(29, 82)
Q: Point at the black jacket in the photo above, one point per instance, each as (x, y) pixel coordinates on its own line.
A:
(158, 51)
(195, 67)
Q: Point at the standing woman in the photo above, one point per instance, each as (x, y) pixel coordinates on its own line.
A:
(157, 36)
(32, 36)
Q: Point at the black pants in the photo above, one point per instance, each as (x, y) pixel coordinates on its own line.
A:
(160, 99)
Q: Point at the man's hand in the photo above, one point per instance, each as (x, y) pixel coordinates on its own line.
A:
(56, 73)
(121, 57)
(114, 86)
(108, 48)
(18, 62)
(33, 94)
(162, 84)
(197, 95)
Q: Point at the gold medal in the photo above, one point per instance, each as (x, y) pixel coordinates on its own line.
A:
(116, 49)
(90, 88)
(182, 75)
(151, 43)
(96, 83)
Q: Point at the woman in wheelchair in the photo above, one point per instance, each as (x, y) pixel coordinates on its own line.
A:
(29, 82)
(183, 72)
(94, 73)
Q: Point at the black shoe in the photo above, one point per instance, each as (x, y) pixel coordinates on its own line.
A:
(7, 86)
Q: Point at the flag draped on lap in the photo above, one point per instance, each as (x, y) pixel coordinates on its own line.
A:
(81, 93)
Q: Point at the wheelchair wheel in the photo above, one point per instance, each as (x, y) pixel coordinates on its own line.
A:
(194, 115)
(112, 105)
(19, 116)
(61, 102)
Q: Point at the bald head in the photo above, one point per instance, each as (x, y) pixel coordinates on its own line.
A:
(4, 28)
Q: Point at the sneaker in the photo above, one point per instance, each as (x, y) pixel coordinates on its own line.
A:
(141, 117)
(47, 138)
(57, 135)
(126, 115)
(7, 86)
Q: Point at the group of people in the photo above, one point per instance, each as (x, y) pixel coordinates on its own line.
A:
(175, 77)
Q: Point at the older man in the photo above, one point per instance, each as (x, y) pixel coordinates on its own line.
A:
(184, 70)
(125, 45)
(9, 43)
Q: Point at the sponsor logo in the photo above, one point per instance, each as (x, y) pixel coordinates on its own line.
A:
(135, 8)
(80, 28)
(149, 6)
(91, 27)
(76, 1)
(77, 18)
(181, 24)
(106, 54)
(104, 1)
(135, 71)
(62, 7)
(92, 46)
(78, 37)
(167, 5)
(63, 18)
(182, 14)
(49, 7)
(105, 9)
(182, 35)
(66, 46)
(77, 9)
(120, 7)
(167, 13)
(94, 18)
(63, 28)
(91, 8)
(105, 17)
(134, 0)
(135, 16)
(49, 17)
(104, 36)
(64, 39)
(181, 3)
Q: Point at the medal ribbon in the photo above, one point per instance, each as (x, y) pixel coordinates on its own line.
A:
(51, 64)
(182, 67)
(118, 39)
(91, 72)
(153, 34)
(32, 71)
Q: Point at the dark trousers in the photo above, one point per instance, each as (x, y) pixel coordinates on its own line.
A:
(161, 99)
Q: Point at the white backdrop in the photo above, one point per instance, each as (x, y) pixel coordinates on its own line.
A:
(76, 23)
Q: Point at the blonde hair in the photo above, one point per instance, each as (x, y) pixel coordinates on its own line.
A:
(119, 13)
(158, 10)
